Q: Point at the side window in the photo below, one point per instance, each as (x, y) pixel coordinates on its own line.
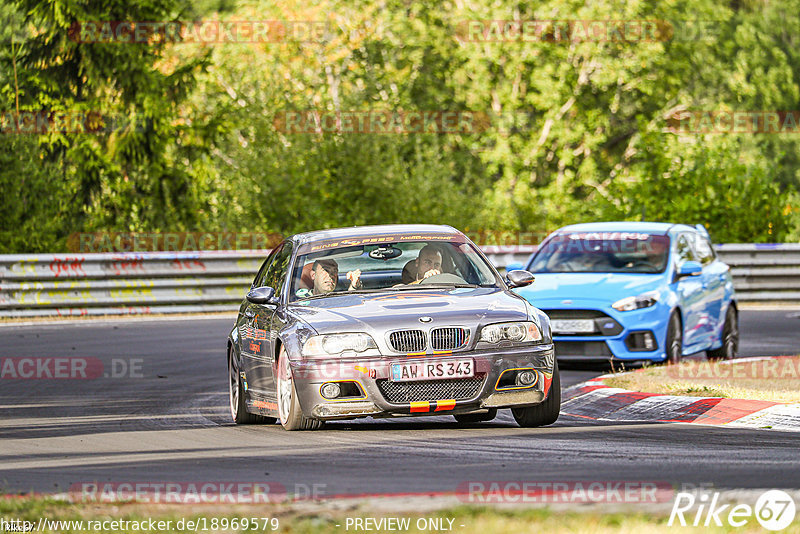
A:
(705, 253)
(276, 272)
(258, 281)
(683, 250)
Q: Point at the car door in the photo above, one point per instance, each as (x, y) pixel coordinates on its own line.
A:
(268, 321)
(253, 332)
(714, 276)
(250, 346)
(691, 296)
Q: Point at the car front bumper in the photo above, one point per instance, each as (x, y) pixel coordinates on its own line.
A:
(619, 346)
(381, 397)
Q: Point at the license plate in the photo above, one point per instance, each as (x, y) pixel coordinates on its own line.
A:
(572, 326)
(433, 370)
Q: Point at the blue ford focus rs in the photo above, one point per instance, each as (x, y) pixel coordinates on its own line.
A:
(634, 291)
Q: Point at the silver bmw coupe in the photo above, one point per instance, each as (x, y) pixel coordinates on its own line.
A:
(388, 321)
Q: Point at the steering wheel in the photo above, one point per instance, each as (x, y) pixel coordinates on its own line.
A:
(643, 263)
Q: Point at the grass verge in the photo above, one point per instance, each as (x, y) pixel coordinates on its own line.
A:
(773, 379)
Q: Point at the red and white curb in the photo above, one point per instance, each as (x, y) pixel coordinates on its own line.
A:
(595, 400)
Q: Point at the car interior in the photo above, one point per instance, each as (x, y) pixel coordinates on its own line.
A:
(381, 272)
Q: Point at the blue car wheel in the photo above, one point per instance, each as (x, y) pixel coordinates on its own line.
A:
(730, 338)
(674, 339)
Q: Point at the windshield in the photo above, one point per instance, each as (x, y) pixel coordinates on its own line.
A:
(602, 252)
(388, 266)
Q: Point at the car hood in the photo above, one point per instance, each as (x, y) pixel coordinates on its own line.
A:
(601, 287)
(381, 312)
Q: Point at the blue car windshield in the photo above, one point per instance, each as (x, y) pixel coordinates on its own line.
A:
(602, 252)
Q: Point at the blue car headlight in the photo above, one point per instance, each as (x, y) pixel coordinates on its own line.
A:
(645, 300)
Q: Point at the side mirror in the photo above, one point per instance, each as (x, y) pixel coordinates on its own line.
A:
(690, 268)
(514, 266)
(519, 278)
(262, 295)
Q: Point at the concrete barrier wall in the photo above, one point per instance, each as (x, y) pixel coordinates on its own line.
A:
(179, 282)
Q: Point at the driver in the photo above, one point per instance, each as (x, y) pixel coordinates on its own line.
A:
(428, 263)
(325, 275)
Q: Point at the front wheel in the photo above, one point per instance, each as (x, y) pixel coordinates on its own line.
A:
(291, 415)
(545, 413)
(236, 395)
(674, 339)
(730, 338)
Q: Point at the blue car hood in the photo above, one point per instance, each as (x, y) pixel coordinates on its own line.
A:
(602, 287)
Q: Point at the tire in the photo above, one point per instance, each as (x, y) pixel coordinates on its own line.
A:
(466, 418)
(730, 338)
(545, 413)
(237, 402)
(291, 416)
(674, 347)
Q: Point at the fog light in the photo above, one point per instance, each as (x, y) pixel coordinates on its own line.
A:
(526, 378)
(643, 341)
(330, 390)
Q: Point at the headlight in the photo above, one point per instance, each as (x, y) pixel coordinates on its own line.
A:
(517, 332)
(645, 300)
(332, 344)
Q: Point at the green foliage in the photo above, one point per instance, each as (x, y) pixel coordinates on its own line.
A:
(703, 182)
(34, 198)
(202, 151)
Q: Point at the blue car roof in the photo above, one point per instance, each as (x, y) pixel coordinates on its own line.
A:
(625, 226)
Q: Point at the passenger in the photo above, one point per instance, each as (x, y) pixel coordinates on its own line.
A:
(325, 276)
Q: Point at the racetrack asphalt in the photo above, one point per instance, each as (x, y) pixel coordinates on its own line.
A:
(168, 421)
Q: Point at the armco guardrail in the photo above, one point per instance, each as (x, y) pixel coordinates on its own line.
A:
(764, 272)
(177, 282)
(125, 283)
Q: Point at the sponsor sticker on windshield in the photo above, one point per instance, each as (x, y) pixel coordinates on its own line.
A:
(375, 240)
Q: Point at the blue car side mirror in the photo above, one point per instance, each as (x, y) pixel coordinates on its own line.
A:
(690, 268)
(514, 266)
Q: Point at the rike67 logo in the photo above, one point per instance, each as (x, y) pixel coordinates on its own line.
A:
(774, 510)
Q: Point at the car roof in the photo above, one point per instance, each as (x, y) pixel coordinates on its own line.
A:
(378, 230)
(627, 226)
